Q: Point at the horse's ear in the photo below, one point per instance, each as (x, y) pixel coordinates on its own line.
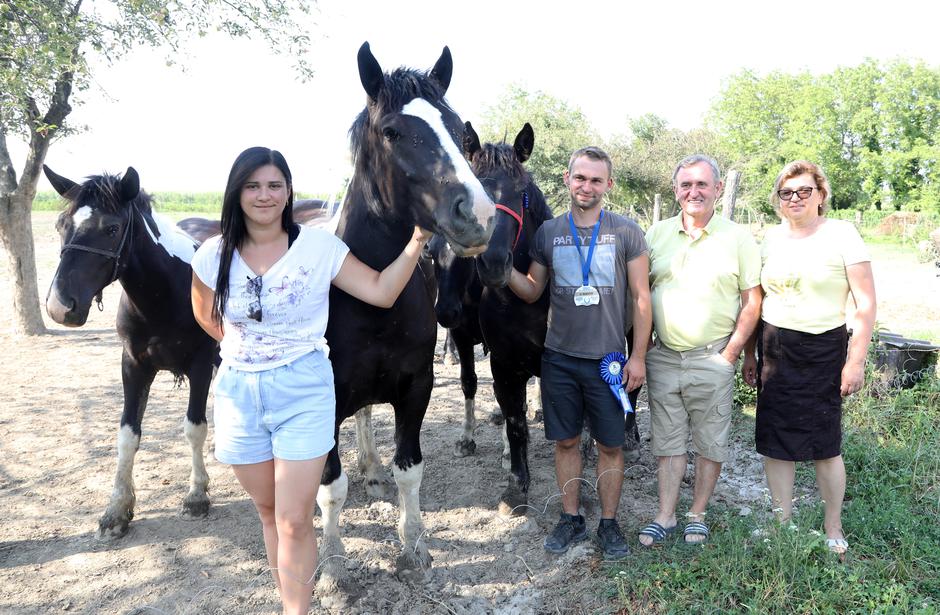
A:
(370, 73)
(130, 185)
(524, 143)
(471, 141)
(61, 185)
(443, 69)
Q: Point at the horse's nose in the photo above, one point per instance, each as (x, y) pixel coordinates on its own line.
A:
(463, 209)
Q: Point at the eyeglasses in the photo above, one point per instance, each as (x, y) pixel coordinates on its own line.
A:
(254, 308)
(786, 194)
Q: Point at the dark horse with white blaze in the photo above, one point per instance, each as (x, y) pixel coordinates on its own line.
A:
(513, 330)
(109, 232)
(408, 169)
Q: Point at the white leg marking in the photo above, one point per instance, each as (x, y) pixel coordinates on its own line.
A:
(469, 419)
(368, 455)
(506, 461)
(331, 499)
(483, 207)
(410, 525)
(197, 502)
(120, 509)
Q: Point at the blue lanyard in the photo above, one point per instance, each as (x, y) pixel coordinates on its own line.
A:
(585, 265)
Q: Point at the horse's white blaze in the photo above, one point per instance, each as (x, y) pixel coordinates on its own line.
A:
(196, 435)
(172, 238)
(330, 499)
(483, 207)
(410, 525)
(122, 497)
(81, 214)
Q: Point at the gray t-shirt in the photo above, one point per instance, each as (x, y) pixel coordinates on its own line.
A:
(593, 331)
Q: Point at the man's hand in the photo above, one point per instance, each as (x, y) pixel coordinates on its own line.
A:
(749, 369)
(636, 373)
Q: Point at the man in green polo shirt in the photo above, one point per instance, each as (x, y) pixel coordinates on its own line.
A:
(705, 285)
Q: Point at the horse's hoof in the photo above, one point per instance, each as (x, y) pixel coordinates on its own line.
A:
(631, 452)
(450, 360)
(513, 502)
(112, 525)
(380, 488)
(338, 594)
(195, 506)
(465, 448)
(412, 564)
(497, 418)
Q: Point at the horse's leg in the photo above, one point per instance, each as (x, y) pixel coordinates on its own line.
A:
(334, 577)
(533, 400)
(451, 349)
(136, 380)
(375, 478)
(408, 469)
(468, 383)
(509, 384)
(631, 442)
(196, 502)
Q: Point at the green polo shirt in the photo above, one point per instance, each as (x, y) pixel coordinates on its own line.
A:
(696, 285)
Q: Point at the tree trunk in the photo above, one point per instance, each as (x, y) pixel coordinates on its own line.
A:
(16, 237)
(731, 194)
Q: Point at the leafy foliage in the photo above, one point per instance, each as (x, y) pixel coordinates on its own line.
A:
(873, 128)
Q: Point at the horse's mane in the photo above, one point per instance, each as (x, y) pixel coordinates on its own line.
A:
(498, 156)
(401, 86)
(104, 190)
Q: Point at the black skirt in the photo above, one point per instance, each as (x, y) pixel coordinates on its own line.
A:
(799, 406)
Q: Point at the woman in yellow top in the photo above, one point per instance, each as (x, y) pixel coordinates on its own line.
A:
(807, 361)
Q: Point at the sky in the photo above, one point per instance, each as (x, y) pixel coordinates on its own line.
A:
(182, 129)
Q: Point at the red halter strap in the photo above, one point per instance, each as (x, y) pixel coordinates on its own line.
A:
(517, 218)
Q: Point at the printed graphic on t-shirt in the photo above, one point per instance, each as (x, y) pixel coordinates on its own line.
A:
(568, 270)
(276, 299)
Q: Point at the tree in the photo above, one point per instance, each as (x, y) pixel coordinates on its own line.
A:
(645, 160)
(47, 50)
(559, 130)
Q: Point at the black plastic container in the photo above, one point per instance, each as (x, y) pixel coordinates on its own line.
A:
(904, 361)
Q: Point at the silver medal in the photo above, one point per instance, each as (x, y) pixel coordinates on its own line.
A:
(586, 295)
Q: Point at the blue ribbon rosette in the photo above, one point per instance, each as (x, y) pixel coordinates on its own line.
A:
(612, 373)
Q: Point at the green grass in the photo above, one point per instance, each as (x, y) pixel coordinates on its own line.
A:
(891, 517)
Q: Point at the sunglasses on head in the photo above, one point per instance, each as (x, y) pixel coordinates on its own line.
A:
(254, 288)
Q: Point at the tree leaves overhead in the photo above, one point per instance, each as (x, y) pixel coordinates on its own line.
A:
(43, 42)
(875, 129)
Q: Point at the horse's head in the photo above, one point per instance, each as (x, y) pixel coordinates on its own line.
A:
(453, 275)
(522, 206)
(408, 161)
(96, 228)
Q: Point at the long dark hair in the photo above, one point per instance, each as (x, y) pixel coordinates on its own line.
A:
(233, 219)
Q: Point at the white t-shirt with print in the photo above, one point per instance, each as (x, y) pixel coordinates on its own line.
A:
(295, 294)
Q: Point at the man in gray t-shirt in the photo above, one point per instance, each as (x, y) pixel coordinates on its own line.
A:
(593, 261)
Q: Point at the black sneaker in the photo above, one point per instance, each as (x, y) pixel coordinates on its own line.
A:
(611, 541)
(570, 529)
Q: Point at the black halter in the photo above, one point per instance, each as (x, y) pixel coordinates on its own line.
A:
(112, 254)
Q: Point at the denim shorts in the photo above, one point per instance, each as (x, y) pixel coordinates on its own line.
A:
(288, 412)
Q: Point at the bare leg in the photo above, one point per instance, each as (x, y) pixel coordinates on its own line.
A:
(830, 477)
(706, 477)
(296, 484)
(609, 479)
(780, 476)
(568, 467)
(670, 471)
(258, 480)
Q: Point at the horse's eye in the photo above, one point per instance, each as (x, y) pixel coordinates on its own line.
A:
(391, 134)
(112, 230)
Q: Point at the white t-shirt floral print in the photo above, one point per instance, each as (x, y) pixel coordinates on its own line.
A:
(294, 300)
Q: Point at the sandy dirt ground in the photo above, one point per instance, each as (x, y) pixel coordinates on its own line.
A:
(60, 400)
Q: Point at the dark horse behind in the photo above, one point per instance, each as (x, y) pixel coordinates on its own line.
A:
(109, 232)
(408, 169)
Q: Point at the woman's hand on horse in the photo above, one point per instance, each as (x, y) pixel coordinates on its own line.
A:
(422, 235)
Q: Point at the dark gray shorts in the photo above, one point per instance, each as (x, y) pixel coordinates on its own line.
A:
(572, 389)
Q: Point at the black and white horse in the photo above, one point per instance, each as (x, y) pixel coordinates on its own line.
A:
(408, 169)
(109, 232)
(513, 329)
